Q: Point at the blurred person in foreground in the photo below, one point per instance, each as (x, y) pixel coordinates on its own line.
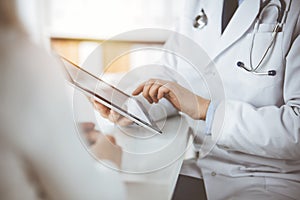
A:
(41, 156)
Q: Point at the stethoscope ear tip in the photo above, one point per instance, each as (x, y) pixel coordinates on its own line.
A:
(269, 73)
(272, 73)
(240, 64)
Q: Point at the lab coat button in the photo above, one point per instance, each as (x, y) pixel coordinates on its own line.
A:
(213, 173)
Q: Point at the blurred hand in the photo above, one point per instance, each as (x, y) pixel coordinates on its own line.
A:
(110, 114)
(103, 146)
(89, 132)
(181, 98)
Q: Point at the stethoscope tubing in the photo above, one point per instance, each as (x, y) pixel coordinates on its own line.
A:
(201, 21)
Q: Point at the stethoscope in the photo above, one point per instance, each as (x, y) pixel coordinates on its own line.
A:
(201, 21)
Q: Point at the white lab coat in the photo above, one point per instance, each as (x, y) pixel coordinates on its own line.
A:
(41, 154)
(256, 125)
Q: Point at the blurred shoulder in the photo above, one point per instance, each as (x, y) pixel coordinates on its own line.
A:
(20, 55)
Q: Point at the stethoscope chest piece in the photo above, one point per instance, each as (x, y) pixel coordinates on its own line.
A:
(200, 20)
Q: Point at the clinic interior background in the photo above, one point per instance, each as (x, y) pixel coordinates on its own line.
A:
(74, 28)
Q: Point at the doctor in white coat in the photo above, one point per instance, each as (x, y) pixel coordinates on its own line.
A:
(257, 151)
(257, 55)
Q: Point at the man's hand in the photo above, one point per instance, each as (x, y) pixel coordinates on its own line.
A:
(104, 147)
(110, 114)
(181, 98)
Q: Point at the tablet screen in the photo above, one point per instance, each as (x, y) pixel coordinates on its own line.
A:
(108, 95)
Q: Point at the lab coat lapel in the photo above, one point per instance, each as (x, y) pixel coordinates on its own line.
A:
(239, 24)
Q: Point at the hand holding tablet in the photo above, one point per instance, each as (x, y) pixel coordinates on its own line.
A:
(110, 114)
(108, 96)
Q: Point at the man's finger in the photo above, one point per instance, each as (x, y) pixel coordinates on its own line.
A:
(120, 119)
(86, 126)
(139, 89)
(114, 116)
(162, 91)
(111, 139)
(146, 89)
(153, 91)
(102, 109)
(123, 121)
(92, 136)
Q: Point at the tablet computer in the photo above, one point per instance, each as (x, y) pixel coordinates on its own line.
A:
(108, 95)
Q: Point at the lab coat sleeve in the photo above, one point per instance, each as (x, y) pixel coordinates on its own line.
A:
(268, 131)
(209, 118)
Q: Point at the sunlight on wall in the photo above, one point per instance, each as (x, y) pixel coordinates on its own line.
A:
(102, 19)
